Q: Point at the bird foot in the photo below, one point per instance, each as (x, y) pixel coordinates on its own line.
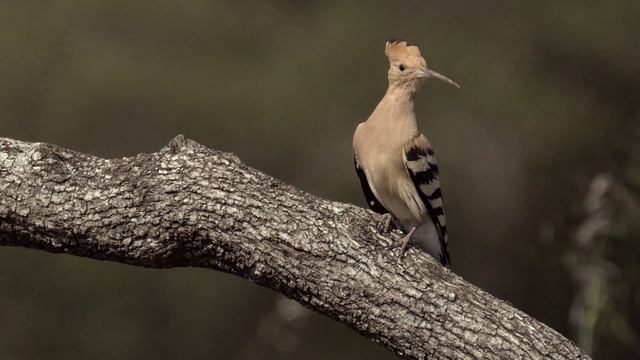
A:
(384, 226)
(402, 244)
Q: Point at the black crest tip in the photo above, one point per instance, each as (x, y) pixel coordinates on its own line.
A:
(394, 41)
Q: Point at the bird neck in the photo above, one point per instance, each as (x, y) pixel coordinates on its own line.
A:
(396, 107)
(403, 88)
(401, 94)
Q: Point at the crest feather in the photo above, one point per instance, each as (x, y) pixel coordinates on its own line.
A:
(398, 50)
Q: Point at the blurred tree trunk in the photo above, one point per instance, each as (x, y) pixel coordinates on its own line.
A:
(187, 205)
(604, 261)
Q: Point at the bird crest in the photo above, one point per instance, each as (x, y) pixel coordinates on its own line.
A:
(401, 50)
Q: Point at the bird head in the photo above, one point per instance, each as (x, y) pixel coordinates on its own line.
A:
(407, 66)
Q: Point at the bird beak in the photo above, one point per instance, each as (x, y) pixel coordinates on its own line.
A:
(428, 73)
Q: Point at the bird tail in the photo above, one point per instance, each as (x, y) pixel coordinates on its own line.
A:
(428, 238)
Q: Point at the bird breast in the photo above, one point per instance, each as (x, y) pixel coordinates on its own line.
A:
(392, 186)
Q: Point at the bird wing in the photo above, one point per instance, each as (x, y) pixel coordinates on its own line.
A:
(372, 201)
(421, 164)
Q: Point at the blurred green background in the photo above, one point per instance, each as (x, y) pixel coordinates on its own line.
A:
(550, 98)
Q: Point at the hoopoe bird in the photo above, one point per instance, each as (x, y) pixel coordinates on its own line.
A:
(395, 162)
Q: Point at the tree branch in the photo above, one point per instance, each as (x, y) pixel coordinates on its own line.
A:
(187, 205)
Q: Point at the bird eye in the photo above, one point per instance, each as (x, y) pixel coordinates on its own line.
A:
(401, 67)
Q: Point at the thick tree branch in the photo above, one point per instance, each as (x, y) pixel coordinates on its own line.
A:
(187, 205)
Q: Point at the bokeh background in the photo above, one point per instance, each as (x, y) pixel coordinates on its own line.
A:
(539, 155)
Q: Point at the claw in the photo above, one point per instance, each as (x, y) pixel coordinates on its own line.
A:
(385, 223)
(402, 244)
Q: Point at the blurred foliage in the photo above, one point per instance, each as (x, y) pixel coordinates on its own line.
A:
(549, 91)
(605, 262)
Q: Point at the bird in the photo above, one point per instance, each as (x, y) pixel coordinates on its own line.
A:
(396, 164)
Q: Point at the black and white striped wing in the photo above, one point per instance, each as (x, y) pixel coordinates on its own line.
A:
(422, 167)
(372, 201)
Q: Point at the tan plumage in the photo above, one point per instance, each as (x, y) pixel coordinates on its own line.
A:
(395, 163)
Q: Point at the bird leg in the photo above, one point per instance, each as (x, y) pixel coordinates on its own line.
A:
(385, 223)
(405, 241)
(402, 244)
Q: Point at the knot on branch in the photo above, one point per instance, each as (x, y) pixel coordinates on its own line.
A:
(48, 151)
(182, 144)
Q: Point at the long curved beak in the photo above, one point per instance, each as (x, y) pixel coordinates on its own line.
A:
(428, 73)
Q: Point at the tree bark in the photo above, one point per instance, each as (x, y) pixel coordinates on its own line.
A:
(187, 205)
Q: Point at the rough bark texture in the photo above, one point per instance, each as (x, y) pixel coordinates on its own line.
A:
(187, 205)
